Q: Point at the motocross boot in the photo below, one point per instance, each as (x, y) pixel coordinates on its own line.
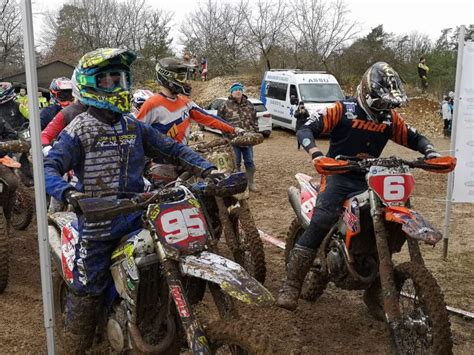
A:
(250, 172)
(80, 323)
(300, 261)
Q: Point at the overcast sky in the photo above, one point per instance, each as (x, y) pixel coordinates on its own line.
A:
(398, 17)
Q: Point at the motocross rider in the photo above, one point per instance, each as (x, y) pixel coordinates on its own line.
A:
(61, 94)
(361, 127)
(170, 110)
(106, 149)
(9, 108)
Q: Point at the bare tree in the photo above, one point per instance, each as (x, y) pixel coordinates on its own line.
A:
(10, 36)
(320, 29)
(84, 25)
(266, 26)
(216, 31)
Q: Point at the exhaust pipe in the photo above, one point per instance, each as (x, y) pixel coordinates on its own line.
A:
(295, 201)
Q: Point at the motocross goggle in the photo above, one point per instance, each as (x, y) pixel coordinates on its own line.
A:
(63, 95)
(385, 102)
(108, 81)
(180, 76)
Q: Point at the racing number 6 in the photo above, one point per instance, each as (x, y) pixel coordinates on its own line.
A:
(393, 188)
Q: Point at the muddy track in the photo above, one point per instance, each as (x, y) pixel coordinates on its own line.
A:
(337, 323)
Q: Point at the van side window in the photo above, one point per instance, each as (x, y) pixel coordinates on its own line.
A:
(293, 92)
(276, 90)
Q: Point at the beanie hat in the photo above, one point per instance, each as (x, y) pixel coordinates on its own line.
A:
(236, 86)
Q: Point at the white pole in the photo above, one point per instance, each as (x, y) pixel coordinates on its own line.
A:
(457, 91)
(38, 172)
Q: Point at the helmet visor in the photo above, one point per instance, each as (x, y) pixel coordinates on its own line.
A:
(112, 81)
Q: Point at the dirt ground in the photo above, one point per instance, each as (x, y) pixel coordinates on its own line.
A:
(336, 324)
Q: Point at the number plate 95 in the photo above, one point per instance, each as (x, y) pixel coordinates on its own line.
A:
(181, 225)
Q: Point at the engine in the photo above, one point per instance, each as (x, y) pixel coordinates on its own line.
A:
(335, 262)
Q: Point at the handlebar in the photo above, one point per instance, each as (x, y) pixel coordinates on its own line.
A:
(103, 208)
(343, 164)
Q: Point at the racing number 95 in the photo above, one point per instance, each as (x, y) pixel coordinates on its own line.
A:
(177, 225)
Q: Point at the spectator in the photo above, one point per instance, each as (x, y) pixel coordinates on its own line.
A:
(301, 116)
(446, 115)
(240, 112)
(203, 69)
(194, 67)
(423, 70)
(21, 97)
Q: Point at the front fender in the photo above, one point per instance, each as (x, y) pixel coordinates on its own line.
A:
(229, 275)
(413, 224)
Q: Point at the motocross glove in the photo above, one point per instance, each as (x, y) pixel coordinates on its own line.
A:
(430, 153)
(317, 154)
(72, 197)
(213, 175)
(46, 150)
(239, 130)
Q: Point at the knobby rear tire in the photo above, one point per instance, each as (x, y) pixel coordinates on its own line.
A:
(244, 225)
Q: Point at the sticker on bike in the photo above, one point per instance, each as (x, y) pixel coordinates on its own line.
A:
(392, 186)
(181, 225)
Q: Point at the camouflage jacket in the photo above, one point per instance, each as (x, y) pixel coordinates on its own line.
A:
(241, 114)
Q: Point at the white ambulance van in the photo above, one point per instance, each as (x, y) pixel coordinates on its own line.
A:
(282, 89)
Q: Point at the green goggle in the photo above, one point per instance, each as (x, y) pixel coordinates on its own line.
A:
(107, 81)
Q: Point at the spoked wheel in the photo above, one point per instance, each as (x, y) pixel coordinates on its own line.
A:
(22, 212)
(250, 253)
(235, 337)
(314, 283)
(425, 327)
(4, 254)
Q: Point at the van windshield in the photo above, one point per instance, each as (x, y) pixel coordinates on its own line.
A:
(320, 92)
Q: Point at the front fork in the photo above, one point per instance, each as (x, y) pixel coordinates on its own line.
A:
(391, 305)
(195, 336)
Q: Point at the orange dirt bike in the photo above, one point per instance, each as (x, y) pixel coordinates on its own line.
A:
(161, 271)
(357, 252)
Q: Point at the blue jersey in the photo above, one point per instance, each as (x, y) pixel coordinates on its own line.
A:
(110, 158)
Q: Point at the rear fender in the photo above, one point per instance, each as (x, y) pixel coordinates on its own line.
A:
(63, 238)
(308, 195)
(229, 275)
(413, 224)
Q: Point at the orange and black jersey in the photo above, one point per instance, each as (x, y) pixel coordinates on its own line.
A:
(352, 133)
(171, 116)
